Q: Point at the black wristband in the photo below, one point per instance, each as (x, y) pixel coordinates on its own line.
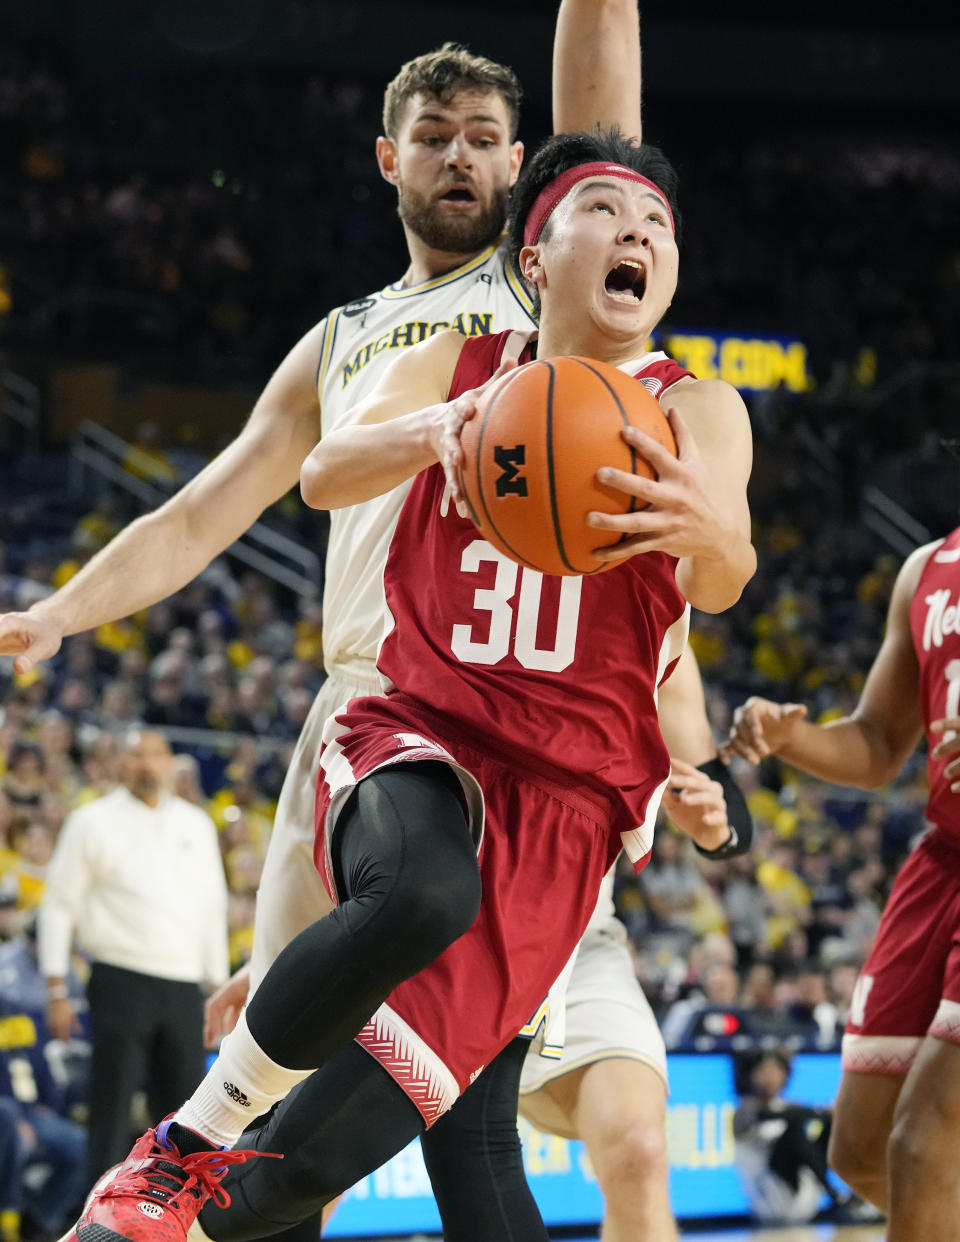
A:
(738, 814)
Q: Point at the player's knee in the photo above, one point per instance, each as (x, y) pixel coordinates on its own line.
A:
(921, 1148)
(907, 1152)
(446, 904)
(855, 1159)
(633, 1155)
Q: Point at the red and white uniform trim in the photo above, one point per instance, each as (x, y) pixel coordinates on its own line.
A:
(879, 1054)
(413, 1066)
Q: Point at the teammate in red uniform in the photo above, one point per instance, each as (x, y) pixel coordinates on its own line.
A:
(430, 962)
(897, 1116)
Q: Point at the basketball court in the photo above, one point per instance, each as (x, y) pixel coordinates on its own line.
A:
(794, 1233)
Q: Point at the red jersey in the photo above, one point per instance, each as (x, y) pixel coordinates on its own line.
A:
(558, 673)
(935, 622)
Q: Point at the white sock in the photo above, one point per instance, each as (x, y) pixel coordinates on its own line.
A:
(241, 1084)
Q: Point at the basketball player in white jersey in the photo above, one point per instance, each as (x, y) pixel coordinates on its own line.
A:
(452, 158)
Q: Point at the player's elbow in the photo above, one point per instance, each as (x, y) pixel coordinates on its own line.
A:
(886, 750)
(883, 769)
(314, 484)
(715, 587)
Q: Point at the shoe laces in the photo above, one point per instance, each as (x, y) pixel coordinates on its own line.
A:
(167, 1180)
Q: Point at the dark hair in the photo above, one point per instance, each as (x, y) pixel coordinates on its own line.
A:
(21, 748)
(564, 151)
(744, 1064)
(444, 73)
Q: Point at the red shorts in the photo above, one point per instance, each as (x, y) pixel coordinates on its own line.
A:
(545, 848)
(910, 984)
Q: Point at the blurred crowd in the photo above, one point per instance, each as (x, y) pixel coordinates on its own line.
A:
(204, 220)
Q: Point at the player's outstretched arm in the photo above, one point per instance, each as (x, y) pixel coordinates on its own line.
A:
(696, 508)
(596, 66)
(869, 747)
(162, 551)
(406, 425)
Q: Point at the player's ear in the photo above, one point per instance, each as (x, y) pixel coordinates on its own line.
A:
(387, 159)
(516, 159)
(530, 265)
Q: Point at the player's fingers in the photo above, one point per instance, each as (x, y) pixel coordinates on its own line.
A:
(620, 551)
(751, 728)
(639, 522)
(738, 745)
(686, 444)
(943, 750)
(689, 780)
(701, 797)
(15, 640)
(633, 484)
(660, 458)
(631, 545)
(451, 473)
(463, 408)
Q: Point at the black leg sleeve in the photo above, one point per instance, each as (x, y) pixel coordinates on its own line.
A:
(475, 1161)
(338, 1125)
(409, 881)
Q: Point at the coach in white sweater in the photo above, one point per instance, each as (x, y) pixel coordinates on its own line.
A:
(137, 878)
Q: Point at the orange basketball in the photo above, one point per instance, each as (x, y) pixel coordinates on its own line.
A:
(532, 451)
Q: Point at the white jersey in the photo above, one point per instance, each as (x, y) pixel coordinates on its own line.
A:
(359, 340)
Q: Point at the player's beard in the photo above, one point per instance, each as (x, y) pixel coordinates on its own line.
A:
(448, 231)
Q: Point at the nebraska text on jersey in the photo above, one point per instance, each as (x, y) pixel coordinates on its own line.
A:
(943, 618)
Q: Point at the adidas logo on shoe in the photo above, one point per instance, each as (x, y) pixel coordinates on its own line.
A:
(235, 1094)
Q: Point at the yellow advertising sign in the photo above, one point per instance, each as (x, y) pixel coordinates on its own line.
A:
(752, 364)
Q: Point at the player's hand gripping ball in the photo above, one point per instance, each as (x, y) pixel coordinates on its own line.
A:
(531, 455)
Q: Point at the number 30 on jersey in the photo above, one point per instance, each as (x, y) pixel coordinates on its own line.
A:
(496, 601)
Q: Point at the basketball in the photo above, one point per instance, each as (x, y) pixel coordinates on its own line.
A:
(532, 450)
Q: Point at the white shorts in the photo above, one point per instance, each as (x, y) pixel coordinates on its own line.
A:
(291, 894)
(606, 1014)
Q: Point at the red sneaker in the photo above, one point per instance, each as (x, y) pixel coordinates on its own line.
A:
(155, 1195)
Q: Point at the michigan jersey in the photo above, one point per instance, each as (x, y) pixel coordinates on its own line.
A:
(359, 340)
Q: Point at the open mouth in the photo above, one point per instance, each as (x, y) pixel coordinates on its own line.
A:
(627, 282)
(459, 194)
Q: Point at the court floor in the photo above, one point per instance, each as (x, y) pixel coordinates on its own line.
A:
(795, 1233)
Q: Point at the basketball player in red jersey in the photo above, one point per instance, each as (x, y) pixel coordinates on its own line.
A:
(897, 1115)
(431, 962)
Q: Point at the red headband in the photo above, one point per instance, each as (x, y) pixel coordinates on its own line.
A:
(560, 187)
